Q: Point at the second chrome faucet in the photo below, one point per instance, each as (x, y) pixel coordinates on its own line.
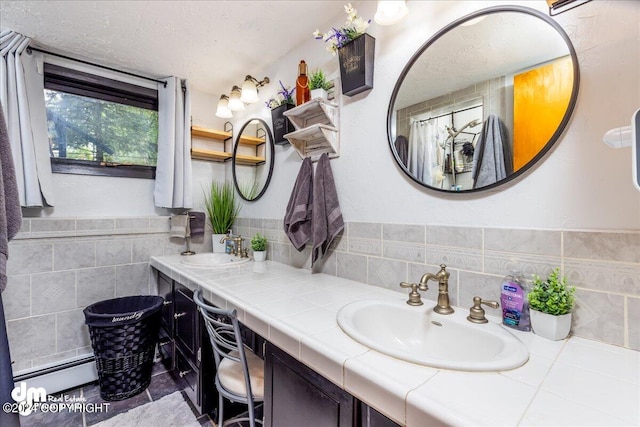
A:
(442, 277)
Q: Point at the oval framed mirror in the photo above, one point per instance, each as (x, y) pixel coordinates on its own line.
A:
(252, 160)
(483, 100)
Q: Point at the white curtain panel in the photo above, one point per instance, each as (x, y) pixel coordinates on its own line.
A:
(173, 170)
(421, 150)
(22, 98)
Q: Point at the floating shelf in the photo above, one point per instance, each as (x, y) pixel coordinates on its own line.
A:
(243, 159)
(315, 140)
(202, 154)
(224, 136)
(316, 124)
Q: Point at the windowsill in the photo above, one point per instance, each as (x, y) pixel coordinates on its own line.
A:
(87, 167)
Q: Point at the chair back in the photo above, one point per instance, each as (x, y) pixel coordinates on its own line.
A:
(224, 333)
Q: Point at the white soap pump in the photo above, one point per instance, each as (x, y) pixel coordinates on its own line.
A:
(628, 136)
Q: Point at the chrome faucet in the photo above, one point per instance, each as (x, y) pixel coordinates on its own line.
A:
(442, 277)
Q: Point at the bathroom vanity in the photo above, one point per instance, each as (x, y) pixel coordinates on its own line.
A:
(313, 368)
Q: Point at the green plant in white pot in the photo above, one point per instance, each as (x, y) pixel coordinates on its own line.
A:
(550, 305)
(259, 246)
(222, 211)
(319, 85)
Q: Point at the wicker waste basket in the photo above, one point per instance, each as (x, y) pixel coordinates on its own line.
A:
(124, 333)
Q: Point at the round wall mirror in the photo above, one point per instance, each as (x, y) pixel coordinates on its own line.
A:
(483, 100)
(252, 161)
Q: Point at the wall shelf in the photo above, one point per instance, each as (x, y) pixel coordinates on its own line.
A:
(316, 123)
(222, 156)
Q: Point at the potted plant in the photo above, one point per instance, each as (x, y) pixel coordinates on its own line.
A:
(259, 246)
(550, 304)
(222, 211)
(279, 103)
(355, 49)
(319, 85)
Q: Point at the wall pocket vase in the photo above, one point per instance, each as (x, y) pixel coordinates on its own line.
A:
(281, 124)
(356, 65)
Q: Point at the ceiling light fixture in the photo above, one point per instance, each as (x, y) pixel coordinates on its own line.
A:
(250, 89)
(390, 12)
(223, 110)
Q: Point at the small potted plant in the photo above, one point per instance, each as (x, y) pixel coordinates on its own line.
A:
(259, 246)
(319, 85)
(550, 304)
(222, 211)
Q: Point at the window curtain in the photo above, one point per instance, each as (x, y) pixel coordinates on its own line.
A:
(22, 98)
(173, 170)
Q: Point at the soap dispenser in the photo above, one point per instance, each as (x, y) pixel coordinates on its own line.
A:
(514, 302)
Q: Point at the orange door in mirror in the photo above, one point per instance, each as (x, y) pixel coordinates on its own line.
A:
(540, 100)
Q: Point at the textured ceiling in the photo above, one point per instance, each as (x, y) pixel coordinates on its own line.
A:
(214, 44)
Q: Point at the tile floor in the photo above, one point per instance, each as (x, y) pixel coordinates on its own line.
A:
(162, 384)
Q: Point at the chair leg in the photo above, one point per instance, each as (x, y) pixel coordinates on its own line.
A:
(220, 410)
(252, 415)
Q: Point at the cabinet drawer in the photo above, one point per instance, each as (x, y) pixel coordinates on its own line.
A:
(188, 376)
(166, 349)
(186, 317)
(165, 290)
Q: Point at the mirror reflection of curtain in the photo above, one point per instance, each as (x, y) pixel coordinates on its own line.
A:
(422, 150)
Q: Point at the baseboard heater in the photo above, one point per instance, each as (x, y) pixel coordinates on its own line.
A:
(61, 377)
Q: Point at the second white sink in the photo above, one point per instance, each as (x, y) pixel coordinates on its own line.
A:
(419, 335)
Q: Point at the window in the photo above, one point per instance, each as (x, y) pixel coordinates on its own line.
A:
(100, 126)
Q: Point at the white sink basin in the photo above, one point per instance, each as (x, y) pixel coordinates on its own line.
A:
(213, 260)
(419, 335)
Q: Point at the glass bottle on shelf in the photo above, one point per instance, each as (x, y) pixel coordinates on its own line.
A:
(303, 94)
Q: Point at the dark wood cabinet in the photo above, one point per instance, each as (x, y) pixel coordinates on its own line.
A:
(295, 395)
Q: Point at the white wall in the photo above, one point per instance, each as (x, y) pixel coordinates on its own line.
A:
(582, 182)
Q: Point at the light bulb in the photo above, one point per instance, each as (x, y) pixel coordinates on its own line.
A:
(223, 110)
(235, 104)
(390, 12)
(249, 91)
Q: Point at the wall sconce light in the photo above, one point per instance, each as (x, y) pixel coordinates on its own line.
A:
(556, 7)
(390, 12)
(234, 99)
(250, 89)
(223, 110)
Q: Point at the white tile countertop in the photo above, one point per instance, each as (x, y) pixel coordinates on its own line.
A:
(575, 382)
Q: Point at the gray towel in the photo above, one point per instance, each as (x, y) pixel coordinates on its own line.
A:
(179, 226)
(402, 148)
(327, 218)
(297, 218)
(492, 157)
(196, 223)
(10, 212)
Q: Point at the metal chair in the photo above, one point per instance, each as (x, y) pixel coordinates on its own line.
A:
(239, 372)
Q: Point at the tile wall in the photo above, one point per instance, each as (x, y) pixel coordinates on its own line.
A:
(57, 267)
(604, 266)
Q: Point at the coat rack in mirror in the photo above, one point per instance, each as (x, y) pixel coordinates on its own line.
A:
(483, 100)
(252, 160)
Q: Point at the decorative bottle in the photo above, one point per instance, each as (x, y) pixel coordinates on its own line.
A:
(514, 302)
(303, 94)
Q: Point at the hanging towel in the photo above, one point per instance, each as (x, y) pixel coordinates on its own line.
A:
(196, 223)
(297, 218)
(10, 212)
(179, 226)
(492, 157)
(402, 148)
(327, 218)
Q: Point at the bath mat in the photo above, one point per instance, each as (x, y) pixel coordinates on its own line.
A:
(171, 410)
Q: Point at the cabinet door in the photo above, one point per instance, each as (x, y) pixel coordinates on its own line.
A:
(297, 396)
(186, 316)
(165, 290)
(369, 417)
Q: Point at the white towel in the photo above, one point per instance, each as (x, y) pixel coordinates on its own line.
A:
(179, 226)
